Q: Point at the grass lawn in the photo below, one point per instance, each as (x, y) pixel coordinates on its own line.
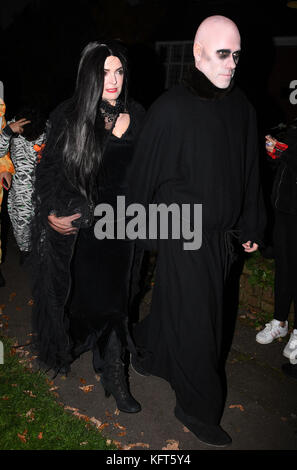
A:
(30, 416)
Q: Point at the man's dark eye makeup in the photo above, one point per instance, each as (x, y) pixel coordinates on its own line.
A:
(224, 53)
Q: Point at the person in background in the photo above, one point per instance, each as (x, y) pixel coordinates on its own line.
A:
(284, 200)
(6, 172)
(23, 137)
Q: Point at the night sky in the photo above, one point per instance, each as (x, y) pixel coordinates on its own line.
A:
(42, 41)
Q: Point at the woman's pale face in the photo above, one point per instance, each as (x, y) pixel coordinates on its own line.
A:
(113, 81)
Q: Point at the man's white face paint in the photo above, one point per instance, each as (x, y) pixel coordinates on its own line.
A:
(218, 57)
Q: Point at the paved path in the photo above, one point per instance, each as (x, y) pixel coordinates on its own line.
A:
(261, 403)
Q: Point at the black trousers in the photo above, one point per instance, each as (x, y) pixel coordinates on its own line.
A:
(285, 247)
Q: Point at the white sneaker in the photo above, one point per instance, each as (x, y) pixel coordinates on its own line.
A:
(272, 331)
(292, 344)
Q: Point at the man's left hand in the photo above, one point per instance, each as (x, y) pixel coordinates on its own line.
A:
(250, 247)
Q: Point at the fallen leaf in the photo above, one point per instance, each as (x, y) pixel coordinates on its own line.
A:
(117, 425)
(22, 352)
(108, 414)
(103, 425)
(172, 445)
(117, 412)
(52, 389)
(108, 442)
(40, 435)
(83, 443)
(237, 406)
(70, 408)
(87, 388)
(82, 381)
(30, 302)
(5, 397)
(96, 422)
(185, 429)
(97, 377)
(119, 445)
(81, 416)
(22, 437)
(11, 296)
(32, 358)
(28, 392)
(121, 434)
(30, 415)
(137, 444)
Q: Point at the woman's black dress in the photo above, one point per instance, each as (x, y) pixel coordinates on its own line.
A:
(101, 269)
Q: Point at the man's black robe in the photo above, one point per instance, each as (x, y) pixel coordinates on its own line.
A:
(198, 145)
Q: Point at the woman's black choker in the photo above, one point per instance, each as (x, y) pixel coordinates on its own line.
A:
(196, 82)
(109, 112)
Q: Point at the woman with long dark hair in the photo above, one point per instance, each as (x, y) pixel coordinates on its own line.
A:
(81, 284)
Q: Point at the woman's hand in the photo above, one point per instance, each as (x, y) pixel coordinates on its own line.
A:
(270, 143)
(121, 125)
(18, 126)
(5, 179)
(250, 247)
(63, 225)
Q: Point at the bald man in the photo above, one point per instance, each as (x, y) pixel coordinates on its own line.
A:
(198, 146)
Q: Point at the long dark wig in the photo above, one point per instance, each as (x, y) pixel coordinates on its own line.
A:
(84, 135)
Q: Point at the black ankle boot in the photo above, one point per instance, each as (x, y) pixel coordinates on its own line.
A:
(114, 380)
(210, 434)
(2, 280)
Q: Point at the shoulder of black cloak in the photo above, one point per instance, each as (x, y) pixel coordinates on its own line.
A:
(136, 108)
(137, 114)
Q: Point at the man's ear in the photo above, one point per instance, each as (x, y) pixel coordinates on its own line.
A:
(197, 50)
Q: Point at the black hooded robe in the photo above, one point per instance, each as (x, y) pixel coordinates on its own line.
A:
(198, 145)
